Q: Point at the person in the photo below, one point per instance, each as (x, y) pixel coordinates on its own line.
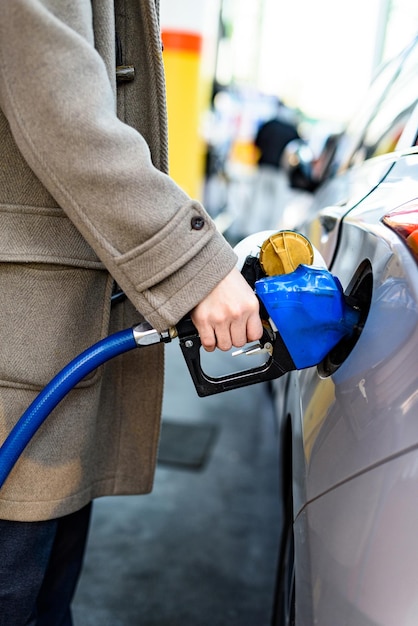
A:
(86, 203)
(271, 189)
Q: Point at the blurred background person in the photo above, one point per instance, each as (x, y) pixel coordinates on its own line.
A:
(271, 189)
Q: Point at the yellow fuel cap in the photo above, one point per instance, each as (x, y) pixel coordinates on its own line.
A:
(284, 251)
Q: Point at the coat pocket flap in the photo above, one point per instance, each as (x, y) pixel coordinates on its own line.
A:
(43, 235)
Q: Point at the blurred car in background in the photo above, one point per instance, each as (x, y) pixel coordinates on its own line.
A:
(349, 553)
(386, 121)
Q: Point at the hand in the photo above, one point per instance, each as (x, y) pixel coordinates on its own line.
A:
(229, 315)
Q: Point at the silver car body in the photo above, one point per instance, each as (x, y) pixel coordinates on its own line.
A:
(355, 438)
(354, 425)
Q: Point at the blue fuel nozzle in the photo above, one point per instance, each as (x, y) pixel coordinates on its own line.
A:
(309, 310)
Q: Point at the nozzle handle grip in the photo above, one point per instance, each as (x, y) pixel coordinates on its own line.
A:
(276, 365)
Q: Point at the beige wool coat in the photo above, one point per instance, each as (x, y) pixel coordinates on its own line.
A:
(84, 202)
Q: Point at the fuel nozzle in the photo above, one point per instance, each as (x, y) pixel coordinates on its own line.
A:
(309, 310)
(302, 305)
(302, 300)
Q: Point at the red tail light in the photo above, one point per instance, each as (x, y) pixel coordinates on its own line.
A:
(404, 221)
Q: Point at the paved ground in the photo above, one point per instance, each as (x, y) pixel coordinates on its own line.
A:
(201, 549)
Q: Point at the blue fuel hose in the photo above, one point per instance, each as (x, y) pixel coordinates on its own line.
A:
(54, 392)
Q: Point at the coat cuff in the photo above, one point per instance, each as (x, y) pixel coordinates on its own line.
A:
(167, 302)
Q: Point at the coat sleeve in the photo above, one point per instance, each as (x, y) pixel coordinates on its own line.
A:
(158, 244)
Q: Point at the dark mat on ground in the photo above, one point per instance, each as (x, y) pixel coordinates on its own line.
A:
(186, 445)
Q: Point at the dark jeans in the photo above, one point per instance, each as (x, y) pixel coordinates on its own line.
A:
(40, 563)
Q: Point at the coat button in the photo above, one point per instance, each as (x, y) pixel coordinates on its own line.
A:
(197, 222)
(125, 73)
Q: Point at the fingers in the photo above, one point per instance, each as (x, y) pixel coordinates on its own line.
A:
(222, 336)
(207, 336)
(254, 326)
(228, 316)
(236, 334)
